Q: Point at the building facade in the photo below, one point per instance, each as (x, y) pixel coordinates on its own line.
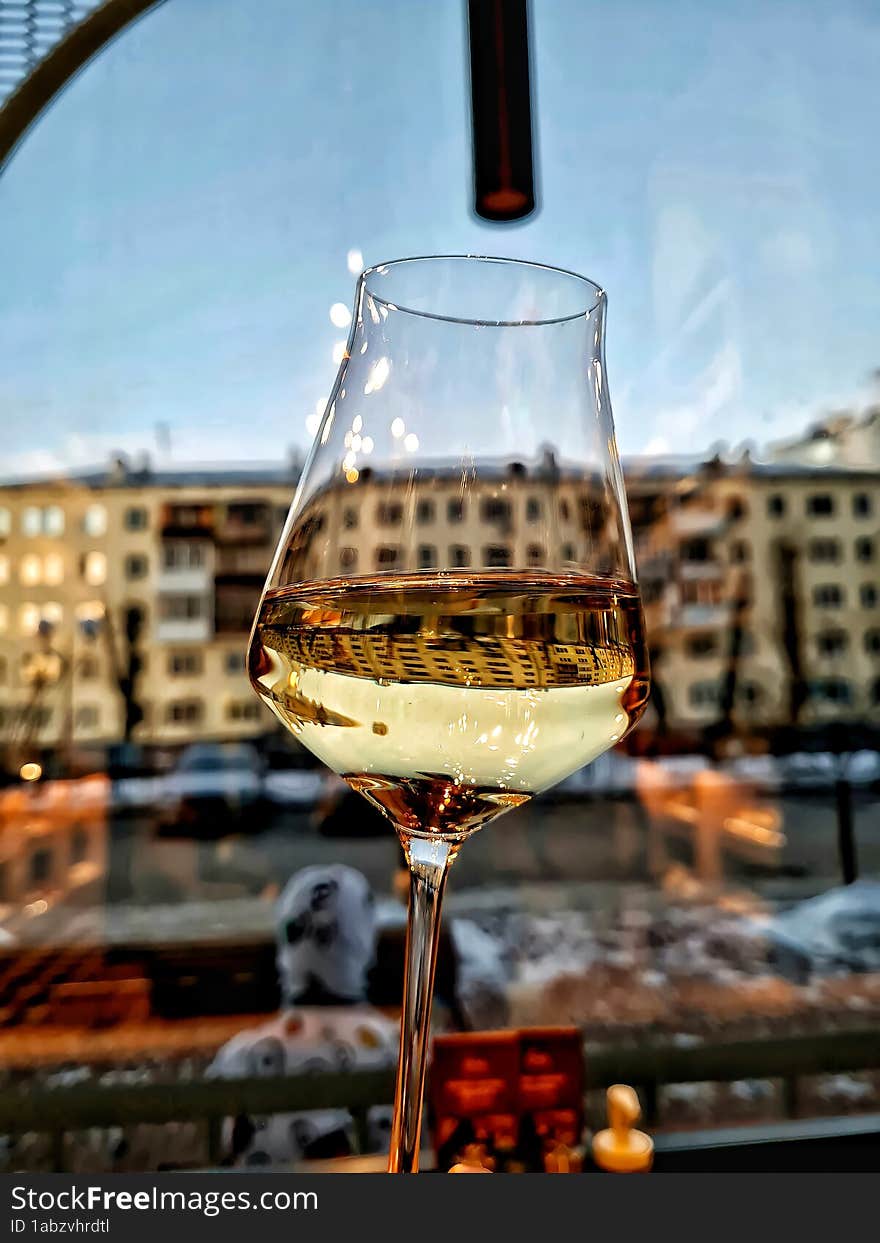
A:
(138, 578)
(760, 584)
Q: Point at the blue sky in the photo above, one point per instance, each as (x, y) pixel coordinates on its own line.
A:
(175, 229)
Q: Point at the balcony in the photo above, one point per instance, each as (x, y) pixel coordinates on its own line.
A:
(193, 580)
(184, 616)
(187, 521)
(245, 523)
(702, 615)
(250, 559)
(697, 520)
(183, 630)
(236, 603)
(700, 571)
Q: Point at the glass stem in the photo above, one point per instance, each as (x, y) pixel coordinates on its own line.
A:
(429, 859)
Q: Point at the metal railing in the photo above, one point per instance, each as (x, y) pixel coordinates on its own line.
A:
(57, 1111)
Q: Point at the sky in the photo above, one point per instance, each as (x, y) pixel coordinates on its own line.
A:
(175, 228)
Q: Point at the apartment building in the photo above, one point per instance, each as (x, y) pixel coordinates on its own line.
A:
(766, 570)
(118, 574)
(769, 572)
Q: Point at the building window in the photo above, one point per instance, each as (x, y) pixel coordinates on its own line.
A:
(425, 512)
(41, 866)
(534, 509)
(246, 513)
(495, 510)
(30, 570)
(564, 510)
(701, 645)
(460, 556)
(349, 518)
(427, 556)
(700, 591)
(31, 520)
(53, 520)
(234, 661)
(455, 510)
(89, 615)
(243, 710)
(820, 505)
(94, 568)
(87, 668)
(740, 551)
(190, 516)
(736, 507)
(87, 716)
(535, 554)
(348, 557)
(4, 569)
(46, 521)
(4, 618)
(568, 552)
(861, 505)
(704, 694)
(180, 608)
(180, 555)
(496, 555)
(872, 642)
(832, 642)
(184, 664)
(748, 692)
(824, 550)
(387, 556)
(695, 550)
(5, 522)
(53, 569)
(776, 506)
(184, 711)
(135, 518)
(136, 566)
(389, 514)
(828, 596)
(95, 520)
(864, 549)
(831, 690)
(868, 595)
(32, 616)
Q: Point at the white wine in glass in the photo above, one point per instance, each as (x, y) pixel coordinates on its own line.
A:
(452, 621)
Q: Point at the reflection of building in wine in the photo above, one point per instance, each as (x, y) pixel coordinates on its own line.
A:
(181, 554)
(506, 662)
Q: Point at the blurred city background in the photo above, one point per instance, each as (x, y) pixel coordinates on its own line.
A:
(179, 238)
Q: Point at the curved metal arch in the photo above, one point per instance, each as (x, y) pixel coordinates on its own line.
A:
(81, 43)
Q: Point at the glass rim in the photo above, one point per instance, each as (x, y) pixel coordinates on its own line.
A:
(597, 299)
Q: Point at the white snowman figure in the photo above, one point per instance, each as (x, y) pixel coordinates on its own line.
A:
(326, 936)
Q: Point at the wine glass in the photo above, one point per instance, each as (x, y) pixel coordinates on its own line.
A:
(451, 621)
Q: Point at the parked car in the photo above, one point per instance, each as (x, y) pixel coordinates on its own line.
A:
(215, 789)
(296, 787)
